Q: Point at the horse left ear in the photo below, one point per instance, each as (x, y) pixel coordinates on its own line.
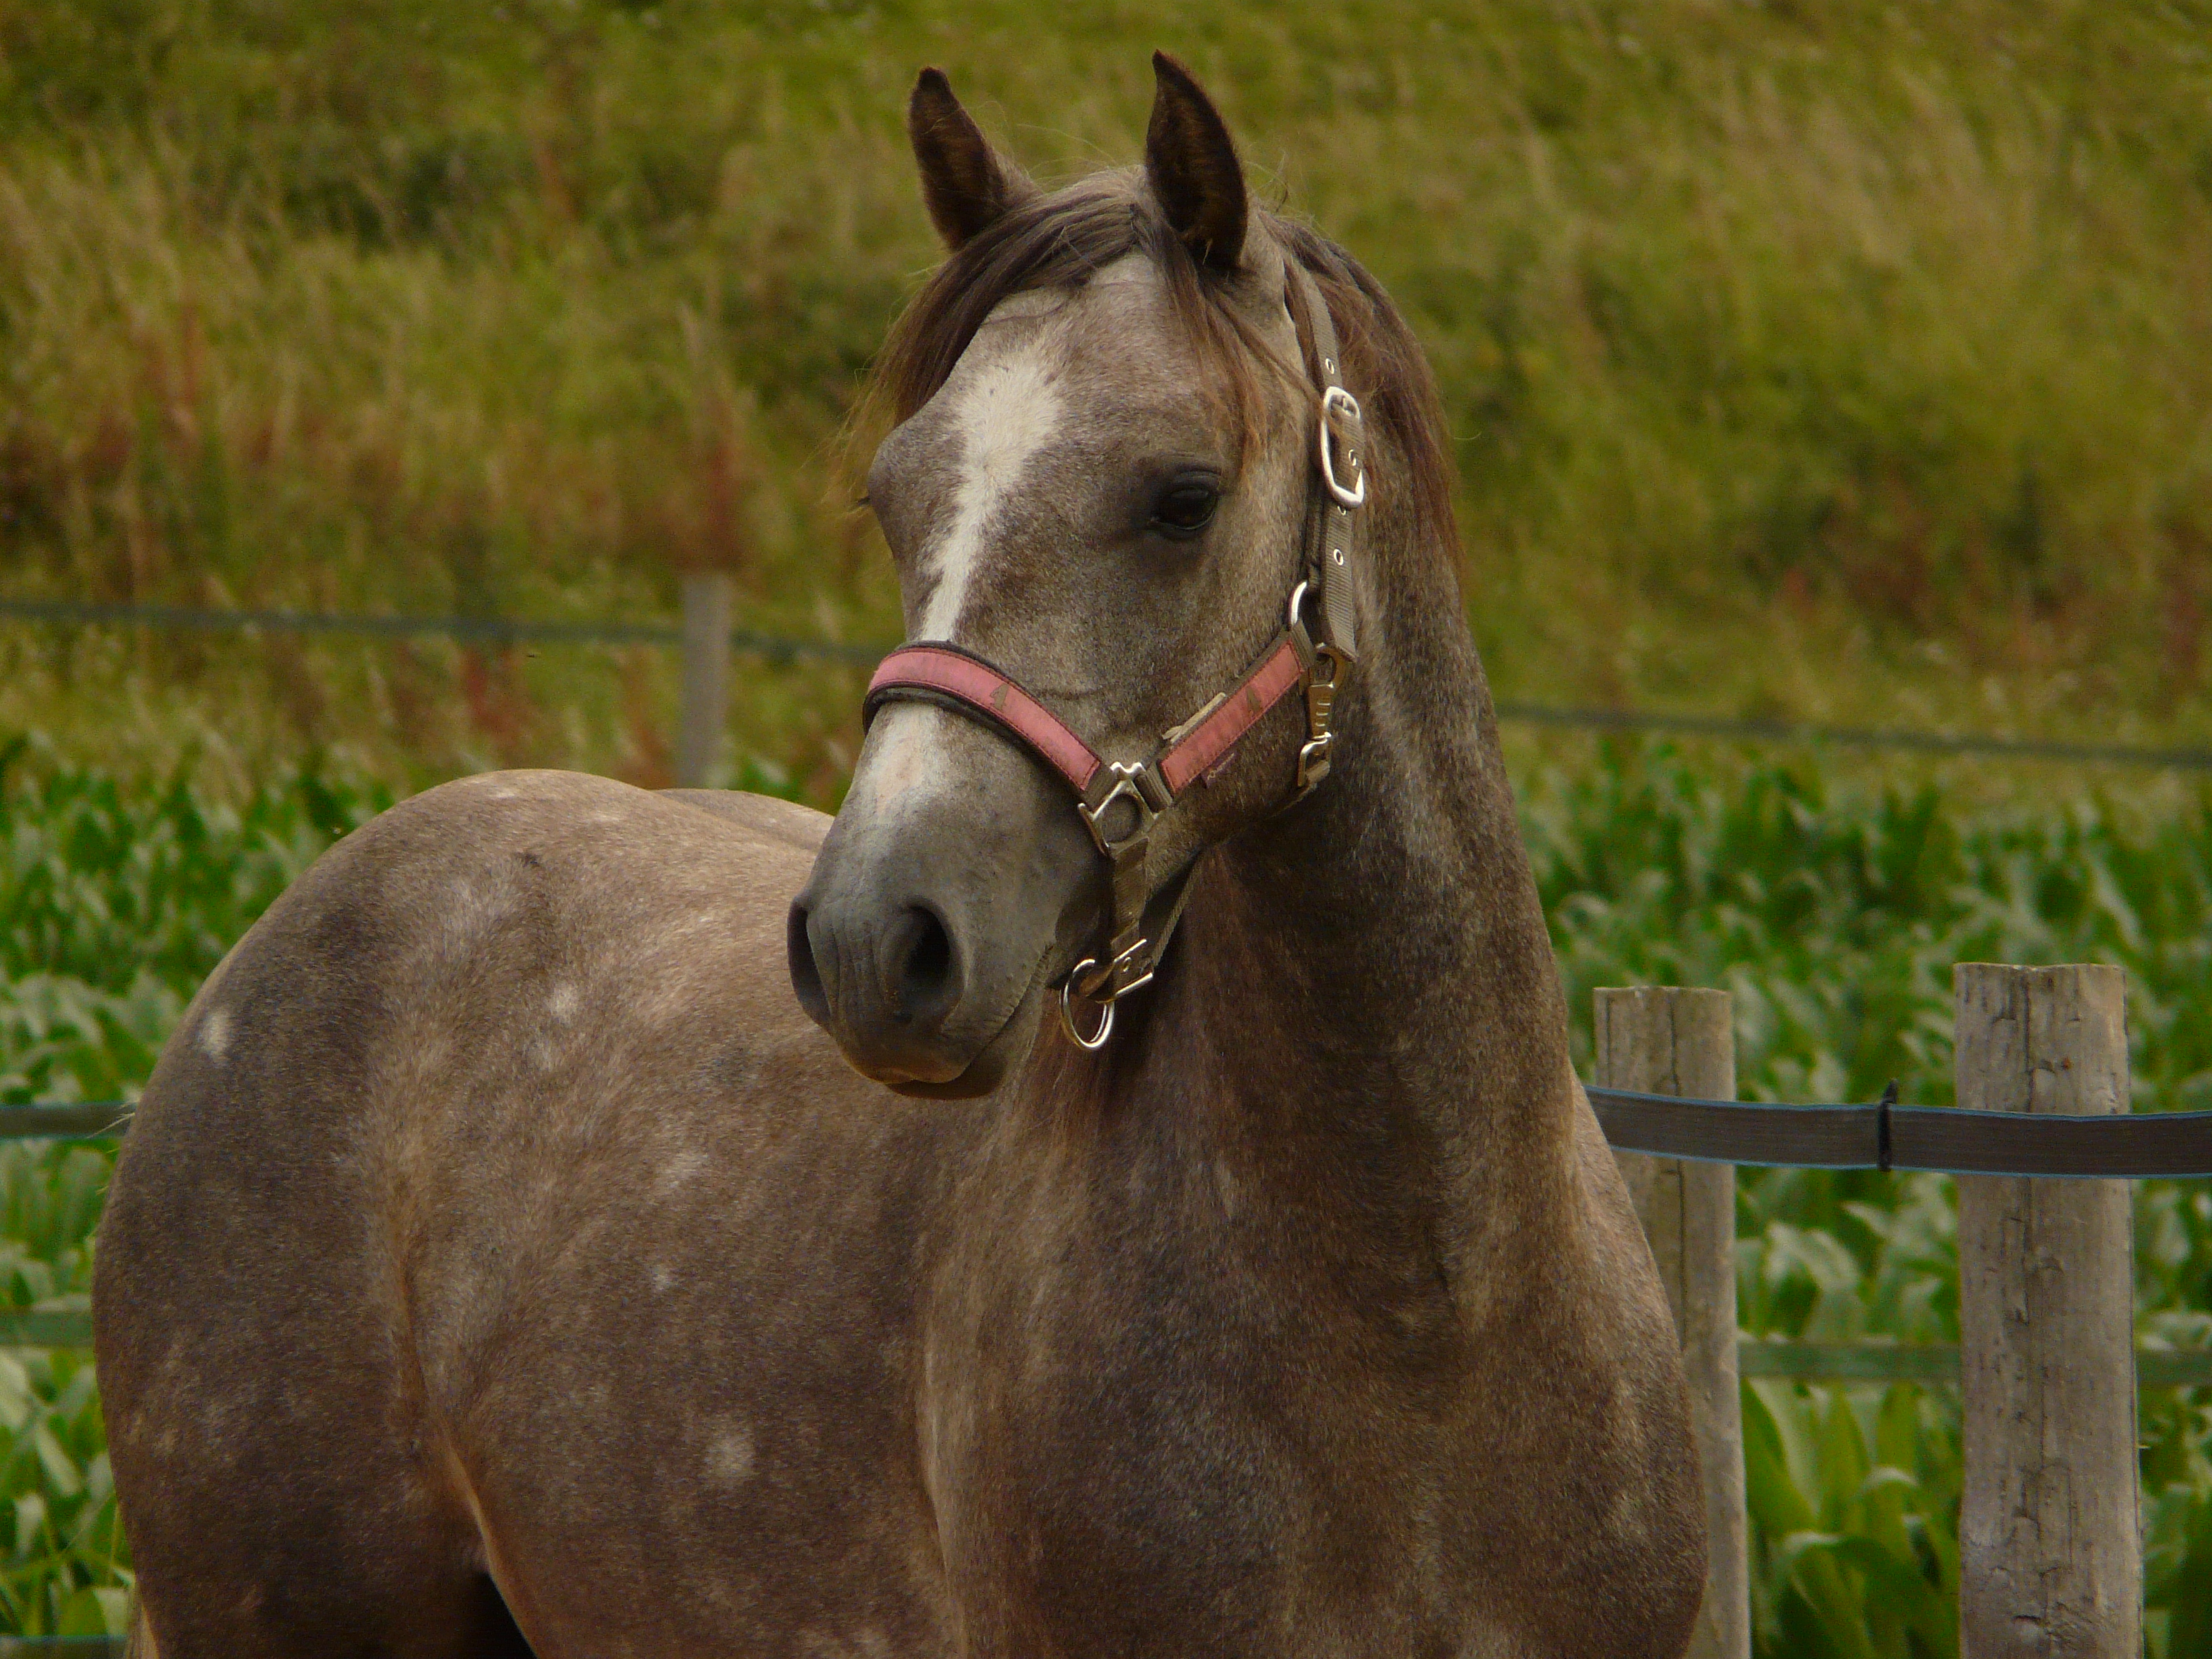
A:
(1191, 163)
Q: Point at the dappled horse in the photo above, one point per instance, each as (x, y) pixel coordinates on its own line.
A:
(1189, 1237)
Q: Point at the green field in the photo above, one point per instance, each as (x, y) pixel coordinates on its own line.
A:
(1833, 914)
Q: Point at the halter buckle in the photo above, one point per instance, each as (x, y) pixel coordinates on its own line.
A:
(1135, 783)
(1334, 402)
(1132, 970)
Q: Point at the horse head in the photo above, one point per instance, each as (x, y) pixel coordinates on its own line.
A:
(1100, 492)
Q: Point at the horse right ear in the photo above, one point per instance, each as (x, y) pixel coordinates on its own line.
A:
(964, 183)
(1192, 162)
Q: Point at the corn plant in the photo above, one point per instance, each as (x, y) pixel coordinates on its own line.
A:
(1832, 912)
(64, 1571)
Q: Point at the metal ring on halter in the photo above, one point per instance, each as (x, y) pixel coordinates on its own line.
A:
(1067, 1016)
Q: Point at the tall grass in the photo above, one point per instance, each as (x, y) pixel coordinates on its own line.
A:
(1832, 913)
(1821, 360)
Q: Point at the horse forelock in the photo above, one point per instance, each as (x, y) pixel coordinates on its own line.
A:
(1064, 238)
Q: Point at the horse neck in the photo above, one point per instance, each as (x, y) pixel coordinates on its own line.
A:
(1369, 973)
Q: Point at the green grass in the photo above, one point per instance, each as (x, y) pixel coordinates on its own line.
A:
(1833, 360)
(1832, 912)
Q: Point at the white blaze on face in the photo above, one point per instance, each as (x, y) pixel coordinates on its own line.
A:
(1006, 411)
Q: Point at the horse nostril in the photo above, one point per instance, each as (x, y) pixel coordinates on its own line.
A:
(806, 976)
(925, 987)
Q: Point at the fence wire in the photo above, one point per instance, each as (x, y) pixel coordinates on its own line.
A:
(782, 649)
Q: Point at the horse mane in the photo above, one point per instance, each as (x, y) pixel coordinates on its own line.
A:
(1063, 239)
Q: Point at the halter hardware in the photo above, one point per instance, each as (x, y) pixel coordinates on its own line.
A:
(1097, 1040)
(1338, 404)
(1321, 706)
(1121, 801)
(1137, 785)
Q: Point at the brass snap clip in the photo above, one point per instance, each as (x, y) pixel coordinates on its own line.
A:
(1321, 709)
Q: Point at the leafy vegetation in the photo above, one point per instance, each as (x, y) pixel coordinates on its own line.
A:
(116, 900)
(1801, 359)
(1833, 915)
(64, 1570)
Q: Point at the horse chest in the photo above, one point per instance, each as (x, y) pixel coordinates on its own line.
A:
(1147, 1428)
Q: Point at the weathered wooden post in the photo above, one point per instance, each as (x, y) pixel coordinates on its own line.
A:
(2050, 1555)
(1665, 1040)
(706, 704)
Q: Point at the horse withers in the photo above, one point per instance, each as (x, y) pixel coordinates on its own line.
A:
(1134, 1201)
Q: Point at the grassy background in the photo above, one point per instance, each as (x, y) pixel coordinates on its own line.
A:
(1832, 361)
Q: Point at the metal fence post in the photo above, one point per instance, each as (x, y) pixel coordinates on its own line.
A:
(2049, 1554)
(1665, 1040)
(706, 704)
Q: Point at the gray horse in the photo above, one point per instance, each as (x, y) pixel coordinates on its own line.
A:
(503, 1261)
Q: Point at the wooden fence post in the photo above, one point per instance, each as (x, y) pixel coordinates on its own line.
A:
(2049, 1554)
(1663, 1040)
(706, 706)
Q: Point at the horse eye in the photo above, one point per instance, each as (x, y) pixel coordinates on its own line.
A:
(1185, 508)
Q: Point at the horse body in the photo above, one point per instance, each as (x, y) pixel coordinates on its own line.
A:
(499, 1222)
(502, 1253)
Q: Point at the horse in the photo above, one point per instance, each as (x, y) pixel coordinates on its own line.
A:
(1135, 1198)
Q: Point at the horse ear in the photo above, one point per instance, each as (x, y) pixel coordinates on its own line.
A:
(964, 183)
(1191, 163)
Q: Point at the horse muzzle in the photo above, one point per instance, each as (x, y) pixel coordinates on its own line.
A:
(924, 939)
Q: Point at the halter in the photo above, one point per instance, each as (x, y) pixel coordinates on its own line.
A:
(1120, 802)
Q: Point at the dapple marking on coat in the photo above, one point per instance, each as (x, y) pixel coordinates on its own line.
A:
(503, 1262)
